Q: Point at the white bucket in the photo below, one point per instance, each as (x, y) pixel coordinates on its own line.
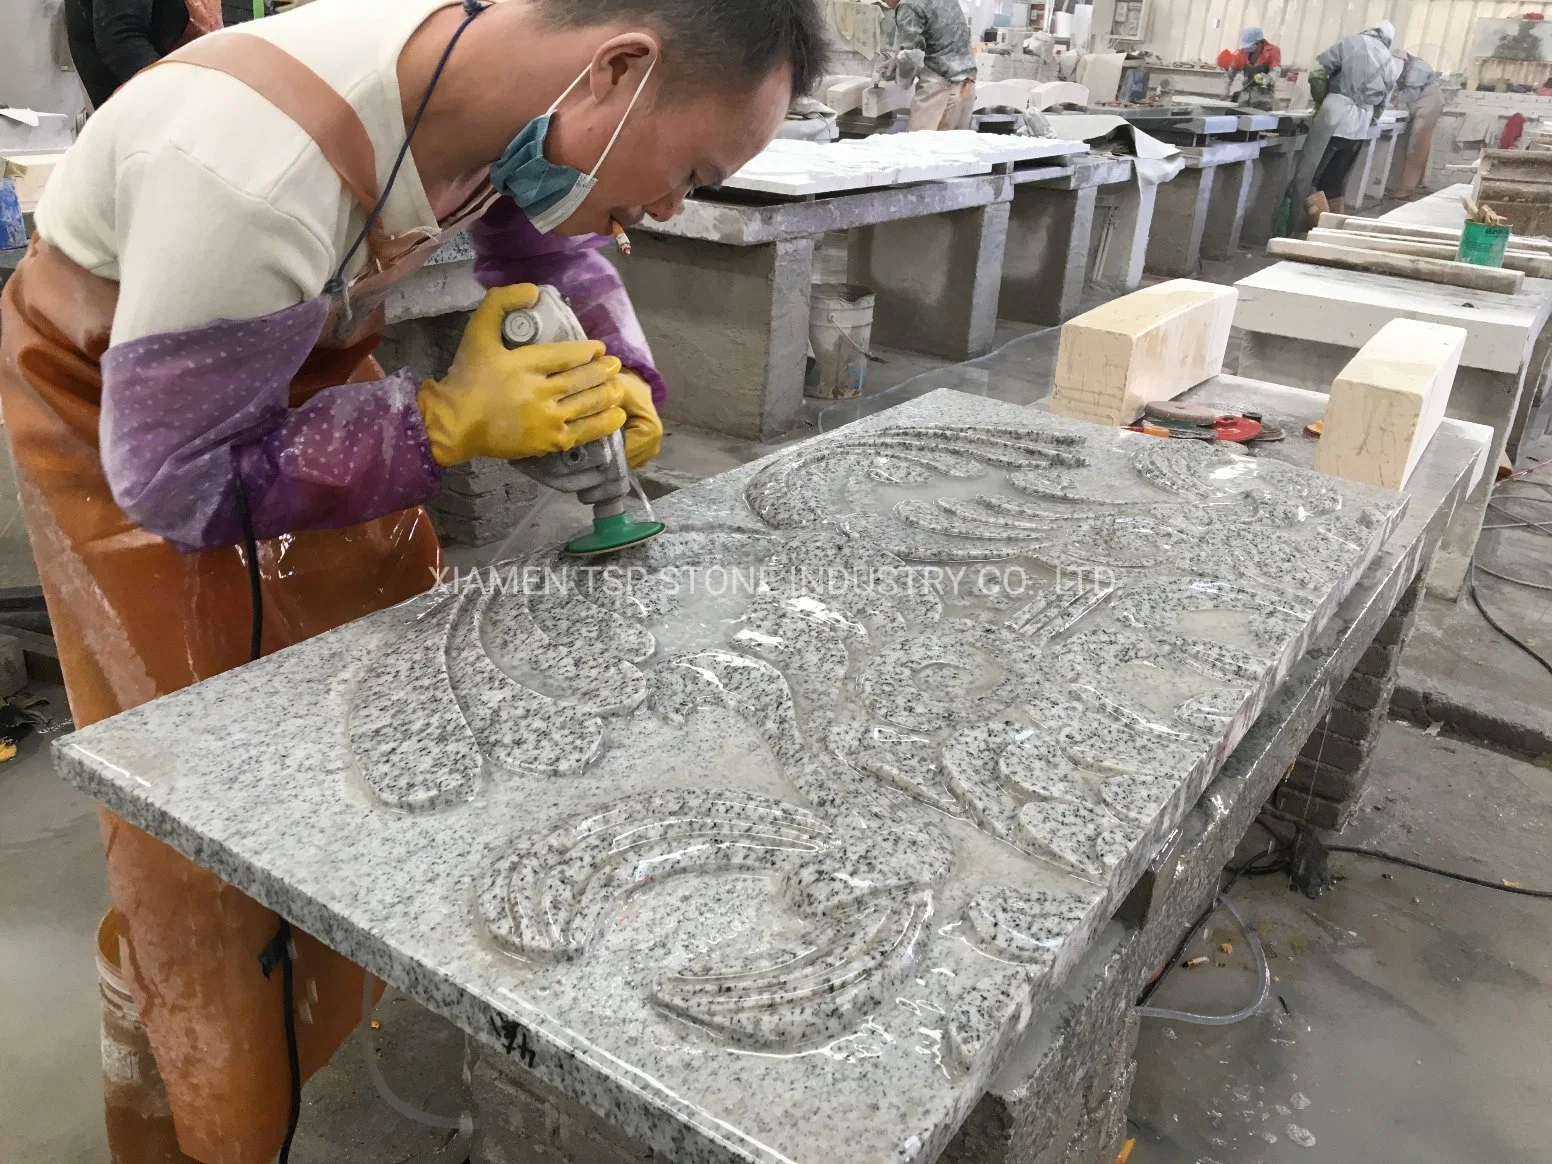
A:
(840, 327)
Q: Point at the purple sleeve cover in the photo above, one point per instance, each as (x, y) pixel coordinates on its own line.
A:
(507, 250)
(188, 414)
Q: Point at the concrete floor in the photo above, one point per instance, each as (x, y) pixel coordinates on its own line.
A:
(50, 1078)
(1458, 670)
(1411, 1017)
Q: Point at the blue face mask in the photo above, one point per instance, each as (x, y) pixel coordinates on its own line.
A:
(548, 193)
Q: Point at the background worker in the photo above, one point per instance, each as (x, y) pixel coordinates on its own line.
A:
(1419, 92)
(112, 40)
(185, 371)
(1350, 83)
(932, 56)
(1254, 67)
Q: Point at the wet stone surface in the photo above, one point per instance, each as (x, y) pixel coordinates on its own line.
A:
(795, 810)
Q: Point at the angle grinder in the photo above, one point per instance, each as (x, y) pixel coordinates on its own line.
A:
(596, 472)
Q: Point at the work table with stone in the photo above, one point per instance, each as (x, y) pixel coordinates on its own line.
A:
(1303, 323)
(1061, 1097)
(775, 870)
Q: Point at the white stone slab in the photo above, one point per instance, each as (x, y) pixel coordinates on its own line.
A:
(1348, 308)
(1211, 124)
(1388, 402)
(1256, 122)
(797, 168)
(1441, 208)
(1034, 95)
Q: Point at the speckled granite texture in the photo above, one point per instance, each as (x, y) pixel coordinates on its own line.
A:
(766, 844)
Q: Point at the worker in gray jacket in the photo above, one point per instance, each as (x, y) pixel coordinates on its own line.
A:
(1350, 83)
(1419, 92)
(932, 50)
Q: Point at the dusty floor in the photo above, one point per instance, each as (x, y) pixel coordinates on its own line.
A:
(1411, 1018)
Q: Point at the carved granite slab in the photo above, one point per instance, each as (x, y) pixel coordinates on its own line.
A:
(765, 839)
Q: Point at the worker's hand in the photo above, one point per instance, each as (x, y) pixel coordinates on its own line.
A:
(496, 402)
(643, 430)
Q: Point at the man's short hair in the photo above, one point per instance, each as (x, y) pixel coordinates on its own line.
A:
(729, 43)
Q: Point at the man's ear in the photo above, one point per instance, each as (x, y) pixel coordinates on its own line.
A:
(621, 62)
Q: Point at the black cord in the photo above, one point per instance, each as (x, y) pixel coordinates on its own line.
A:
(278, 952)
(1278, 861)
(1521, 522)
(1453, 876)
(255, 594)
(336, 285)
(1471, 587)
(1248, 869)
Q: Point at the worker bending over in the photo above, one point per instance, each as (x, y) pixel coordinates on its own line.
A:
(932, 56)
(187, 365)
(1255, 68)
(1350, 84)
(1419, 92)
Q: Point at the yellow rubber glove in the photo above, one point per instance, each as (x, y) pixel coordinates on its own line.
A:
(496, 402)
(643, 430)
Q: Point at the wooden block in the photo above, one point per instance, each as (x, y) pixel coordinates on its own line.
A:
(1449, 273)
(13, 666)
(1536, 266)
(1517, 241)
(1388, 402)
(1150, 345)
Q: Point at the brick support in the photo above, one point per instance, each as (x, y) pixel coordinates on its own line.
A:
(519, 1119)
(1324, 784)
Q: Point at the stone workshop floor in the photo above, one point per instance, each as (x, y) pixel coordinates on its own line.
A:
(1410, 1019)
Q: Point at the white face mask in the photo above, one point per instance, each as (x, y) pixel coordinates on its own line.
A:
(524, 170)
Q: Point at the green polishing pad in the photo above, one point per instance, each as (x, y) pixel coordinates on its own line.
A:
(614, 533)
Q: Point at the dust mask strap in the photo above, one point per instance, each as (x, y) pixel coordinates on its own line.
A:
(635, 97)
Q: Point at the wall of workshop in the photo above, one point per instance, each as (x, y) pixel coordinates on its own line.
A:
(1439, 31)
(35, 68)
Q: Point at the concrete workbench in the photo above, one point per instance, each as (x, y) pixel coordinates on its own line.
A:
(1061, 1098)
(1088, 224)
(1445, 209)
(1271, 174)
(722, 289)
(1371, 170)
(1201, 212)
(1303, 323)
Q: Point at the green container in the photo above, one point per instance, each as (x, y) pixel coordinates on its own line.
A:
(1483, 245)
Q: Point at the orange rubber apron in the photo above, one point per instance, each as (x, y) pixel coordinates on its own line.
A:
(135, 618)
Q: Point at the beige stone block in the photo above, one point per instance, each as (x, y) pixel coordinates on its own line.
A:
(1388, 402)
(1150, 345)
